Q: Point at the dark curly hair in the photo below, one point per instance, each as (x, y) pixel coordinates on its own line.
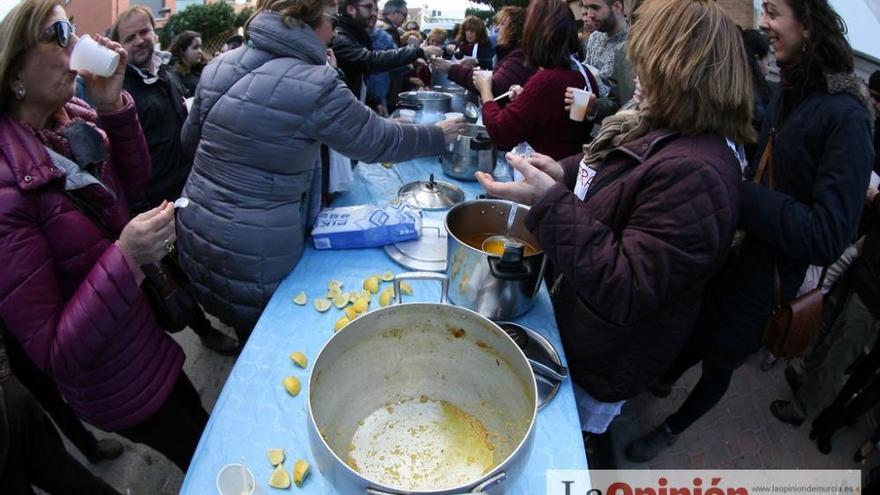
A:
(826, 43)
(511, 36)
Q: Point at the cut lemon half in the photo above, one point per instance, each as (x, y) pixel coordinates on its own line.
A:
(276, 456)
(322, 304)
(292, 385)
(300, 472)
(300, 359)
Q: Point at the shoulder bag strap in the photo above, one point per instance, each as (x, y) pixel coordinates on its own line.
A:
(90, 213)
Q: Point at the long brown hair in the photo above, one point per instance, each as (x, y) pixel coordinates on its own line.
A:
(178, 47)
(550, 35)
(511, 36)
(690, 60)
(18, 32)
(826, 44)
(475, 24)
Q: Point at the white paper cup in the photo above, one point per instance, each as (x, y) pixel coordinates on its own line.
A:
(453, 115)
(235, 479)
(875, 180)
(579, 106)
(93, 57)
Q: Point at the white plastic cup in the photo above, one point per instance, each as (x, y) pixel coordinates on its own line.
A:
(579, 106)
(93, 57)
(875, 180)
(407, 115)
(453, 115)
(235, 479)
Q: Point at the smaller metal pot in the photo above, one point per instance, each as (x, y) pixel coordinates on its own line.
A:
(462, 102)
(429, 106)
(471, 152)
(497, 287)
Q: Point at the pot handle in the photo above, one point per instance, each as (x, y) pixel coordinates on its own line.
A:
(441, 277)
(555, 372)
(510, 266)
(481, 488)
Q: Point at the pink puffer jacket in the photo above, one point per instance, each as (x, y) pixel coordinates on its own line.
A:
(68, 294)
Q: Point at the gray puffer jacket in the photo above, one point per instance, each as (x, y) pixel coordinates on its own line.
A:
(259, 116)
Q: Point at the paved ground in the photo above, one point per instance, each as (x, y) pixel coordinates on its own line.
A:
(740, 433)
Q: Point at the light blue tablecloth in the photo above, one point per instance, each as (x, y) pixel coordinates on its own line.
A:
(254, 412)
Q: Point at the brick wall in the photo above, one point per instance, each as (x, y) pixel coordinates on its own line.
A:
(742, 11)
(94, 16)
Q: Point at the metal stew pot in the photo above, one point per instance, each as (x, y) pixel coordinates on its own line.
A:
(421, 398)
(429, 106)
(471, 151)
(499, 286)
(461, 102)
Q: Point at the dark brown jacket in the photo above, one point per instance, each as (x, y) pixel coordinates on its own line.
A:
(635, 256)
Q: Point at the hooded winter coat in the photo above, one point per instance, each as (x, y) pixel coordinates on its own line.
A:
(68, 294)
(259, 117)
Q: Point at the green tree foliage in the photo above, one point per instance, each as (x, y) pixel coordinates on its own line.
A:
(483, 14)
(208, 20)
(243, 16)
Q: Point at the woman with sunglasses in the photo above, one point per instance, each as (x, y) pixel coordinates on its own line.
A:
(257, 124)
(70, 293)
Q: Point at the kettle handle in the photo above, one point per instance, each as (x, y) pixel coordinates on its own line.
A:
(440, 277)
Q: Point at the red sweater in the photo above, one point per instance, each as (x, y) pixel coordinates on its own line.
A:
(538, 116)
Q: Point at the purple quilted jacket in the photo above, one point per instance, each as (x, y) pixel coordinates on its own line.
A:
(67, 293)
(656, 225)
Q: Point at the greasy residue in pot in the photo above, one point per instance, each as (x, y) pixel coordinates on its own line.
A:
(421, 444)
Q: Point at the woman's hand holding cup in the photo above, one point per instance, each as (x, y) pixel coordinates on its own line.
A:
(101, 63)
(150, 236)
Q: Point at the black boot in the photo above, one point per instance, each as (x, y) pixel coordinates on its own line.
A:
(788, 412)
(649, 446)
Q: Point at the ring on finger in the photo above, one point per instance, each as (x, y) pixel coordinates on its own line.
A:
(169, 245)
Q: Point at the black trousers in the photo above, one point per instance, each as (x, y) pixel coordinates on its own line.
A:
(35, 454)
(708, 391)
(199, 323)
(47, 394)
(176, 427)
(859, 394)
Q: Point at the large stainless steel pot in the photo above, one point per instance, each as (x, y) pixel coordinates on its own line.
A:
(471, 151)
(391, 393)
(497, 287)
(462, 101)
(429, 106)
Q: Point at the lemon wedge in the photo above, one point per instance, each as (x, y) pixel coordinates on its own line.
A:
(340, 323)
(300, 471)
(292, 385)
(280, 478)
(322, 304)
(406, 288)
(361, 305)
(276, 456)
(388, 276)
(340, 301)
(386, 297)
(333, 292)
(372, 284)
(351, 311)
(334, 283)
(301, 298)
(300, 359)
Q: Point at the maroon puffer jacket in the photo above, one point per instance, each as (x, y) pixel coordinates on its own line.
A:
(67, 293)
(655, 226)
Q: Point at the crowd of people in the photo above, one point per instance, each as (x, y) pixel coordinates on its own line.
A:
(691, 199)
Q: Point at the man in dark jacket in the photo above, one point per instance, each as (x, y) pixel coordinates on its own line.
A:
(394, 14)
(354, 49)
(159, 97)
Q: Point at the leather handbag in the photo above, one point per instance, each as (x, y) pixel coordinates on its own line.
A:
(165, 284)
(794, 325)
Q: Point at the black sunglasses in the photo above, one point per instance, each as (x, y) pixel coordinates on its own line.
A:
(334, 19)
(59, 32)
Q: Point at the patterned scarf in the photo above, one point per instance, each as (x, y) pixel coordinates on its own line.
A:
(617, 130)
